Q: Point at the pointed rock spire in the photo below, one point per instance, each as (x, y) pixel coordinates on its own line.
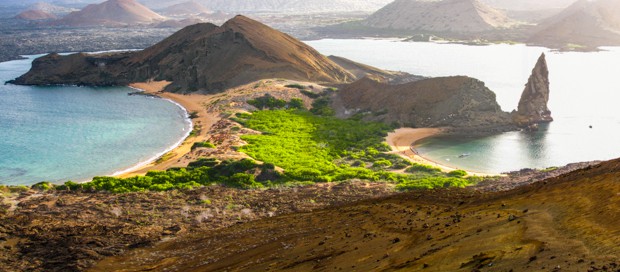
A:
(533, 104)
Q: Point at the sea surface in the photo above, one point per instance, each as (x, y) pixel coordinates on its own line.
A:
(75, 133)
(585, 91)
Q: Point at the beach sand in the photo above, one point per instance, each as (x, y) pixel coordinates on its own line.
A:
(402, 139)
(192, 103)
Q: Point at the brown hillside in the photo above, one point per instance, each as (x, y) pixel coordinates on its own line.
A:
(35, 15)
(569, 223)
(240, 51)
(454, 16)
(202, 57)
(460, 101)
(186, 8)
(111, 12)
(585, 23)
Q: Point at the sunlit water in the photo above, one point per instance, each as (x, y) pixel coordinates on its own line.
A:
(74, 133)
(585, 90)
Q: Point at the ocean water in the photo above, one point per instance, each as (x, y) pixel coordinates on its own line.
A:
(585, 91)
(75, 133)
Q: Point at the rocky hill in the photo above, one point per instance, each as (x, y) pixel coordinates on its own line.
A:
(533, 104)
(583, 25)
(186, 8)
(529, 5)
(568, 223)
(461, 102)
(202, 57)
(296, 6)
(458, 102)
(50, 8)
(34, 15)
(111, 13)
(431, 16)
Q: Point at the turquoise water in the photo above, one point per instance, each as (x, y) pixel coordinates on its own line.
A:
(585, 90)
(74, 133)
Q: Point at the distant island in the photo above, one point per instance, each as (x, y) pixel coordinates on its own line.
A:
(584, 25)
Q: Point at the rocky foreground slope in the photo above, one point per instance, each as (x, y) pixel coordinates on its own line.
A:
(568, 223)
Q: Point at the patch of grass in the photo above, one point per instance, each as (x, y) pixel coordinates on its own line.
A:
(296, 86)
(165, 157)
(244, 174)
(205, 144)
(311, 94)
(549, 169)
(323, 149)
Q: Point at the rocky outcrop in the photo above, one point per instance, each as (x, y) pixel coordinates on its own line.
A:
(201, 57)
(533, 104)
(460, 102)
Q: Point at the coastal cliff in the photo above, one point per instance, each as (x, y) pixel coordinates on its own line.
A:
(533, 104)
(460, 102)
(201, 57)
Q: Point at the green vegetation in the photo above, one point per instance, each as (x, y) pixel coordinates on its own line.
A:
(457, 173)
(549, 169)
(43, 186)
(296, 86)
(238, 174)
(320, 106)
(309, 148)
(206, 144)
(310, 94)
(322, 149)
(269, 102)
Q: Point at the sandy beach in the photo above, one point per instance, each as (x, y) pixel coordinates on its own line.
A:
(402, 139)
(192, 103)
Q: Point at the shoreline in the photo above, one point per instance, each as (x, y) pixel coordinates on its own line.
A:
(174, 156)
(402, 141)
(171, 148)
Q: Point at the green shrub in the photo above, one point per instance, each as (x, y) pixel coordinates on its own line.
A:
(457, 173)
(267, 102)
(244, 181)
(18, 189)
(416, 167)
(296, 86)
(382, 163)
(42, 186)
(310, 94)
(432, 182)
(205, 144)
(296, 103)
(321, 107)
